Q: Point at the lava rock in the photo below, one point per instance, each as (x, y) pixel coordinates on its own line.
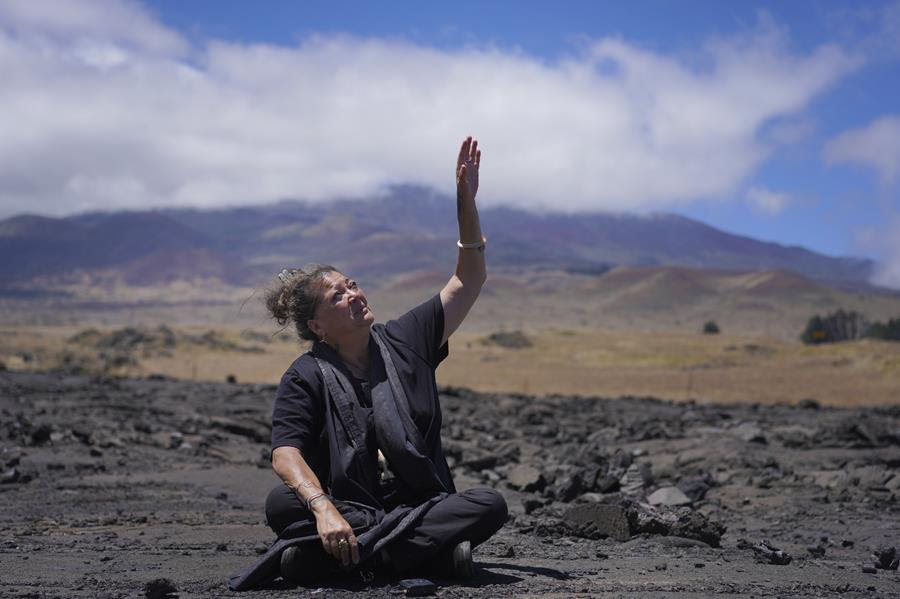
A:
(161, 588)
(634, 480)
(696, 488)
(41, 434)
(598, 520)
(749, 432)
(570, 488)
(668, 496)
(532, 504)
(886, 558)
(14, 475)
(681, 522)
(765, 552)
(526, 478)
(816, 550)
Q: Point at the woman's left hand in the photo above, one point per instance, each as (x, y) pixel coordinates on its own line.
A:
(467, 170)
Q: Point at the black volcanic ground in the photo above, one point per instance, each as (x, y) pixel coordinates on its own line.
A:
(109, 484)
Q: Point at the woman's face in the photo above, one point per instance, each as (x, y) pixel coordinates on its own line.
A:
(342, 308)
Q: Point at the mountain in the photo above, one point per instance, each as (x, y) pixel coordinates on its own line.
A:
(35, 246)
(408, 229)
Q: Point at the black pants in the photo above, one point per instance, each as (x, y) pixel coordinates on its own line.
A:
(473, 515)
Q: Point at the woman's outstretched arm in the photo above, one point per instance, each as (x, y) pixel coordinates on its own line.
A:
(461, 291)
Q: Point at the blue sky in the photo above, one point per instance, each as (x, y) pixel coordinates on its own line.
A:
(778, 120)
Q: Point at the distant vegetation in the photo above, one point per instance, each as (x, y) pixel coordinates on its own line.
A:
(889, 331)
(710, 328)
(509, 340)
(847, 326)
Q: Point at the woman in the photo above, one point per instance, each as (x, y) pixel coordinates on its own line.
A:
(356, 425)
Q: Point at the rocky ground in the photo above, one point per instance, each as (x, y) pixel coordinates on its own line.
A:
(108, 486)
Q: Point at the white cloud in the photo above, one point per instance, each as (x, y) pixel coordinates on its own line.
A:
(884, 241)
(103, 107)
(877, 146)
(872, 29)
(84, 23)
(767, 201)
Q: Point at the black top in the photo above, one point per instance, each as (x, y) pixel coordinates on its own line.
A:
(414, 342)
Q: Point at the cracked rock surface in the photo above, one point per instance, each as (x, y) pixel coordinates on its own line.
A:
(108, 486)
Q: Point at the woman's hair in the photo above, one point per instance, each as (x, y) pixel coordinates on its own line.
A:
(296, 296)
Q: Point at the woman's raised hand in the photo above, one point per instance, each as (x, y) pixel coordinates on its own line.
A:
(467, 169)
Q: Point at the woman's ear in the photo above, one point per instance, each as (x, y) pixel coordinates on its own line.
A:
(315, 327)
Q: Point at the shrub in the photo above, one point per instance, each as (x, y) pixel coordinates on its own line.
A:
(509, 340)
(710, 327)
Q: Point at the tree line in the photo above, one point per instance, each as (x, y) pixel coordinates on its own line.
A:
(845, 325)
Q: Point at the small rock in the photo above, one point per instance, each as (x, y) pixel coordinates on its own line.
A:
(869, 570)
(749, 432)
(532, 504)
(886, 558)
(766, 552)
(14, 475)
(480, 463)
(607, 484)
(502, 550)
(635, 479)
(570, 488)
(696, 488)
(161, 588)
(41, 434)
(525, 478)
(669, 496)
(9, 476)
(816, 550)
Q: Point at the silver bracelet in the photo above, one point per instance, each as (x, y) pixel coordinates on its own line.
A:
(475, 245)
(313, 499)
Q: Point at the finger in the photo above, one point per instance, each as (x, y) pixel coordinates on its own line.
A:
(462, 174)
(478, 159)
(463, 150)
(354, 550)
(327, 546)
(473, 150)
(345, 552)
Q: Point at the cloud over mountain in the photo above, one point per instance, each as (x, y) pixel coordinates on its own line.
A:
(876, 146)
(103, 106)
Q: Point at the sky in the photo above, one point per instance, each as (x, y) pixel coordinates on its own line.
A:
(776, 120)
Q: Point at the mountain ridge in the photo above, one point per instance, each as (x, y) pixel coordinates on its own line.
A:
(408, 229)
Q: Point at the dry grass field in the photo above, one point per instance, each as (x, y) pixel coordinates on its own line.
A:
(632, 331)
(668, 365)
